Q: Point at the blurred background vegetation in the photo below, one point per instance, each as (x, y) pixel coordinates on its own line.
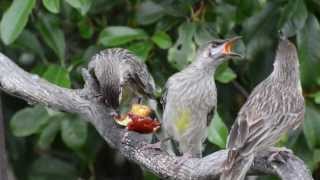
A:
(55, 38)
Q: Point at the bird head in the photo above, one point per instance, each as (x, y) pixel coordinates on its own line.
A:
(216, 51)
(223, 48)
(286, 52)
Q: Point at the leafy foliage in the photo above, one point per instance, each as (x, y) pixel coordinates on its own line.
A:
(55, 38)
(29, 121)
(218, 132)
(118, 35)
(15, 19)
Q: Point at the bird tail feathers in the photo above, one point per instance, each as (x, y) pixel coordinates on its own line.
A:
(236, 166)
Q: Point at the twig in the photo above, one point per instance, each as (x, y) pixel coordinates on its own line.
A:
(240, 88)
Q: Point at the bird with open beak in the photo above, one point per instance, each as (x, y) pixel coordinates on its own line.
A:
(190, 97)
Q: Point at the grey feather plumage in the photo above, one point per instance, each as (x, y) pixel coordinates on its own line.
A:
(189, 101)
(275, 106)
(191, 108)
(117, 70)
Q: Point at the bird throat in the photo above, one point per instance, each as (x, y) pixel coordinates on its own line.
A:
(207, 65)
(287, 72)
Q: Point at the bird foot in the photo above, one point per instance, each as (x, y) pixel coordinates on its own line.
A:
(156, 146)
(183, 159)
(137, 100)
(116, 116)
(279, 154)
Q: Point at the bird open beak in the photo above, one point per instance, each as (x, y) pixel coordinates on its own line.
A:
(228, 46)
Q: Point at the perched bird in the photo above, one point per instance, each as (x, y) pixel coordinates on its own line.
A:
(274, 106)
(190, 97)
(120, 76)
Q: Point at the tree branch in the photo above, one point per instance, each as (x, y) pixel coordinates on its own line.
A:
(33, 89)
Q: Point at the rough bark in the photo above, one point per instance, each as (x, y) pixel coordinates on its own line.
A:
(33, 89)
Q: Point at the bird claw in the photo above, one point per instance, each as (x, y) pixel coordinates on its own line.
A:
(156, 146)
(183, 159)
(279, 154)
(115, 115)
(137, 100)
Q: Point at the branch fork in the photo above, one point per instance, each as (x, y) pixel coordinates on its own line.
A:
(17, 82)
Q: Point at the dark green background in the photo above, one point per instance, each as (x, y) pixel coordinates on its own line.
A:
(56, 38)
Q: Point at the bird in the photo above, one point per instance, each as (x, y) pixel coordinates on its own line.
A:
(121, 76)
(275, 106)
(189, 99)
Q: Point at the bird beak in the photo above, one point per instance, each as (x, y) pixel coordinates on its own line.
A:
(228, 45)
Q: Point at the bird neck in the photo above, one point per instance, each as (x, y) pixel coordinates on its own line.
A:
(287, 72)
(206, 65)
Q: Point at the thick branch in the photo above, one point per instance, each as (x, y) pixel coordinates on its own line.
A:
(33, 89)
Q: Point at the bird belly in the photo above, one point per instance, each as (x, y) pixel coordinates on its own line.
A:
(187, 126)
(188, 103)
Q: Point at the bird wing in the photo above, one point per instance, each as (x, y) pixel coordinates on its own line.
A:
(210, 116)
(268, 112)
(248, 113)
(138, 74)
(107, 76)
(163, 99)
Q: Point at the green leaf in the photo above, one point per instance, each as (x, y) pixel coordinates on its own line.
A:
(29, 121)
(29, 41)
(85, 28)
(50, 168)
(52, 35)
(90, 51)
(118, 35)
(49, 133)
(149, 176)
(308, 46)
(316, 97)
(218, 132)
(149, 12)
(57, 75)
(39, 69)
(204, 33)
(74, 133)
(226, 16)
(15, 19)
(293, 17)
(245, 9)
(141, 49)
(183, 52)
(82, 6)
(311, 126)
(52, 5)
(166, 23)
(283, 140)
(162, 40)
(316, 158)
(181, 9)
(226, 75)
(302, 150)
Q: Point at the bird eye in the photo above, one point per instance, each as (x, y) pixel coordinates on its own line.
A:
(214, 44)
